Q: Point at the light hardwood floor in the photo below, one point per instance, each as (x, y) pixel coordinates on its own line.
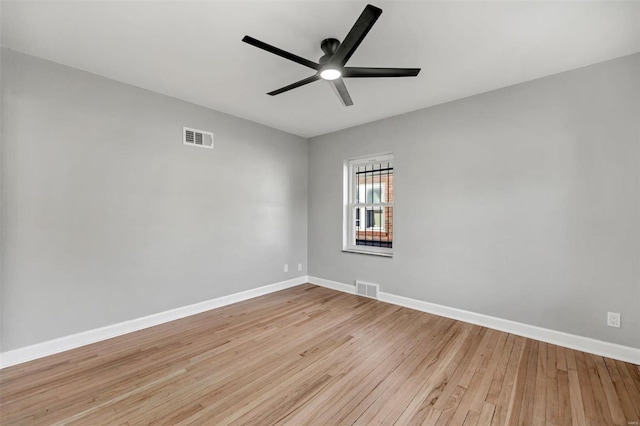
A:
(309, 355)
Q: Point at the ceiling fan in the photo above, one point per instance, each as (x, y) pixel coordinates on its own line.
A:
(331, 66)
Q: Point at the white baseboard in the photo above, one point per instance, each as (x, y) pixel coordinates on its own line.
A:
(584, 344)
(39, 350)
(334, 285)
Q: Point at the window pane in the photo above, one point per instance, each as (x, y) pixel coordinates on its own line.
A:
(369, 218)
(378, 227)
(377, 218)
(374, 194)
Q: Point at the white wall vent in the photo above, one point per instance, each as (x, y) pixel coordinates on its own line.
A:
(367, 289)
(195, 137)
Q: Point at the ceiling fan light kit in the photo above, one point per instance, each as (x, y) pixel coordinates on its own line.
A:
(330, 74)
(331, 66)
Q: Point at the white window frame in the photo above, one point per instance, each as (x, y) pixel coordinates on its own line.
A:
(349, 222)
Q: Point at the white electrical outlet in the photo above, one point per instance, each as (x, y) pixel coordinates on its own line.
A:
(613, 319)
(299, 266)
(286, 267)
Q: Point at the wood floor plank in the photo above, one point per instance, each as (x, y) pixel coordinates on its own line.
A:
(623, 396)
(378, 383)
(551, 414)
(337, 370)
(488, 372)
(507, 385)
(614, 402)
(501, 371)
(427, 380)
(480, 381)
(588, 398)
(437, 392)
(540, 395)
(257, 375)
(634, 372)
(339, 360)
(486, 415)
(578, 416)
(518, 388)
(528, 396)
(600, 399)
(310, 355)
(561, 358)
(564, 399)
(418, 394)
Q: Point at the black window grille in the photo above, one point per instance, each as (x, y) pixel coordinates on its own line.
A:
(373, 204)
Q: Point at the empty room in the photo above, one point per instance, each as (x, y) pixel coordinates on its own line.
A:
(319, 212)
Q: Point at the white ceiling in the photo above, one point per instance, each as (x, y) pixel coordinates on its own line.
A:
(193, 50)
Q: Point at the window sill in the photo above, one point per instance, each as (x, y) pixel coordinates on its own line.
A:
(372, 253)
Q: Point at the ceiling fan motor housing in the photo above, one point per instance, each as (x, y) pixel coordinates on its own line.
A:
(329, 46)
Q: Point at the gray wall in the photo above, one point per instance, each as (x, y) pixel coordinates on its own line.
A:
(521, 203)
(108, 217)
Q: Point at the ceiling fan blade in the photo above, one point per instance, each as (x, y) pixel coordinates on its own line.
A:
(283, 53)
(379, 72)
(294, 85)
(359, 30)
(341, 91)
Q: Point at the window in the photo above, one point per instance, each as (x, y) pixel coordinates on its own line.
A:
(369, 205)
